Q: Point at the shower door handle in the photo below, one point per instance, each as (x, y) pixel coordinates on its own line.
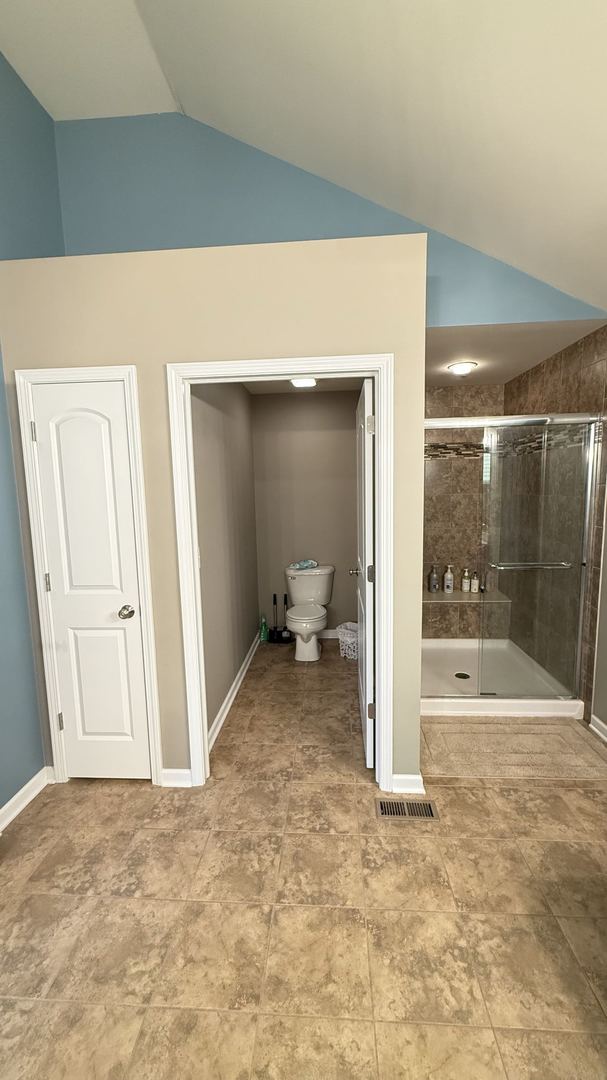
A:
(531, 565)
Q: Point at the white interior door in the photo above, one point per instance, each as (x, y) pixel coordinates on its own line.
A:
(365, 567)
(86, 496)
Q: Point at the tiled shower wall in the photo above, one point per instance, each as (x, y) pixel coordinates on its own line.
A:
(573, 381)
(453, 506)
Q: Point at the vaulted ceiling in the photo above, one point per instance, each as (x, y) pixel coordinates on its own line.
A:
(482, 119)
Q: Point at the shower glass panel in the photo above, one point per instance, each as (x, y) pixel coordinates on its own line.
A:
(536, 485)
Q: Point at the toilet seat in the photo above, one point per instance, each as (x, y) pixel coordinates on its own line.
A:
(307, 613)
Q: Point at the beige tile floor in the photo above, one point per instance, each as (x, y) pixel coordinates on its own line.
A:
(270, 927)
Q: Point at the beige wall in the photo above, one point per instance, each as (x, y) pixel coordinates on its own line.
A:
(225, 506)
(328, 297)
(305, 490)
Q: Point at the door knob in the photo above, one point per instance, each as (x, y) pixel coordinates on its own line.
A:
(354, 571)
(126, 612)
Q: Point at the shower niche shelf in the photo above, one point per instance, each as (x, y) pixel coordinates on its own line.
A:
(493, 596)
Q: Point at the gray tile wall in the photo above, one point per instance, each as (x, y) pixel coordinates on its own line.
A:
(453, 502)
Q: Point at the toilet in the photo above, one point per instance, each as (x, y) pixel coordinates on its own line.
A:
(309, 591)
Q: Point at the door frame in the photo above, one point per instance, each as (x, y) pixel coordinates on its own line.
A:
(127, 375)
(180, 379)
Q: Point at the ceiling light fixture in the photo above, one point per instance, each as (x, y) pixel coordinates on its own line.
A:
(462, 367)
(304, 382)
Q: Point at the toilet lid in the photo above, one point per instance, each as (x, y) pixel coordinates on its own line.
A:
(306, 611)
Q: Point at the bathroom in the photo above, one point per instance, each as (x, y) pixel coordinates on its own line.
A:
(516, 507)
(276, 482)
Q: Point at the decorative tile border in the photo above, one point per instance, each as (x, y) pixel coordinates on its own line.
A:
(453, 450)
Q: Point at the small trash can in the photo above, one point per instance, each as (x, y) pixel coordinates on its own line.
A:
(348, 640)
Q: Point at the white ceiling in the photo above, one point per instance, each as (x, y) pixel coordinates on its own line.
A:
(483, 119)
(84, 58)
(501, 351)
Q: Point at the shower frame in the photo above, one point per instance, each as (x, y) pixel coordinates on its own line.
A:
(593, 422)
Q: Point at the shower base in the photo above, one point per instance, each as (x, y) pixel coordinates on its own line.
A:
(523, 687)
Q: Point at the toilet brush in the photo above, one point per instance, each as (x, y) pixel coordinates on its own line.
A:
(274, 632)
(286, 636)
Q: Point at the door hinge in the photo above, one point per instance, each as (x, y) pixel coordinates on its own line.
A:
(371, 574)
(371, 711)
(370, 425)
(47, 582)
(33, 430)
(60, 721)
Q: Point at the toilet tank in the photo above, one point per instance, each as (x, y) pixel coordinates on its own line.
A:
(310, 585)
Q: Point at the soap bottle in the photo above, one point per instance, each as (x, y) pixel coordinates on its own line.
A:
(466, 580)
(433, 583)
(475, 583)
(448, 579)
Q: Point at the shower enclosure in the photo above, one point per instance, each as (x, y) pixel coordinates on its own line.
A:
(510, 497)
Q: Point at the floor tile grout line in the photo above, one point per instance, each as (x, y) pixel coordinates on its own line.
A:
(257, 902)
(160, 1007)
(368, 949)
(602, 1005)
(262, 985)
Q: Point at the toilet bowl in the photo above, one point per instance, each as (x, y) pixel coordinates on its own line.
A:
(309, 590)
(306, 621)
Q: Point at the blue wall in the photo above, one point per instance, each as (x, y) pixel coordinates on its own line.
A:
(143, 182)
(30, 226)
(30, 218)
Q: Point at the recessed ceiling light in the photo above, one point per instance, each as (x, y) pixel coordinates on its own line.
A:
(303, 382)
(462, 367)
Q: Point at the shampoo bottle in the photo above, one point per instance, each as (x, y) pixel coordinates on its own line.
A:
(466, 580)
(474, 583)
(448, 579)
(433, 583)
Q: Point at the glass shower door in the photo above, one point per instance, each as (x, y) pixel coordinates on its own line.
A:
(535, 484)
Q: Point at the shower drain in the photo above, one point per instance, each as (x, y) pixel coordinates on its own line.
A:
(462, 675)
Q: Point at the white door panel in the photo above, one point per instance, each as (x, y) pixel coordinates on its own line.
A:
(89, 534)
(365, 559)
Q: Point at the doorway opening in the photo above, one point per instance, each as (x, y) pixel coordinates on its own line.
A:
(249, 502)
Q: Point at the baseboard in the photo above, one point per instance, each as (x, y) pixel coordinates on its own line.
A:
(176, 778)
(21, 798)
(408, 784)
(493, 706)
(218, 722)
(328, 634)
(599, 727)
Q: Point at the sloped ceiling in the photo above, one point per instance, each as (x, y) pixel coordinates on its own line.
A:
(482, 119)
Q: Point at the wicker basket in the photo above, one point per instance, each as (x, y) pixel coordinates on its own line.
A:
(348, 640)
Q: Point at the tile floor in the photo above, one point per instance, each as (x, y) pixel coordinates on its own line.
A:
(270, 927)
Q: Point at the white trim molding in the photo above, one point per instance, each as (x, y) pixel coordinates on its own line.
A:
(226, 705)
(599, 727)
(21, 798)
(127, 375)
(492, 706)
(180, 378)
(408, 784)
(176, 778)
